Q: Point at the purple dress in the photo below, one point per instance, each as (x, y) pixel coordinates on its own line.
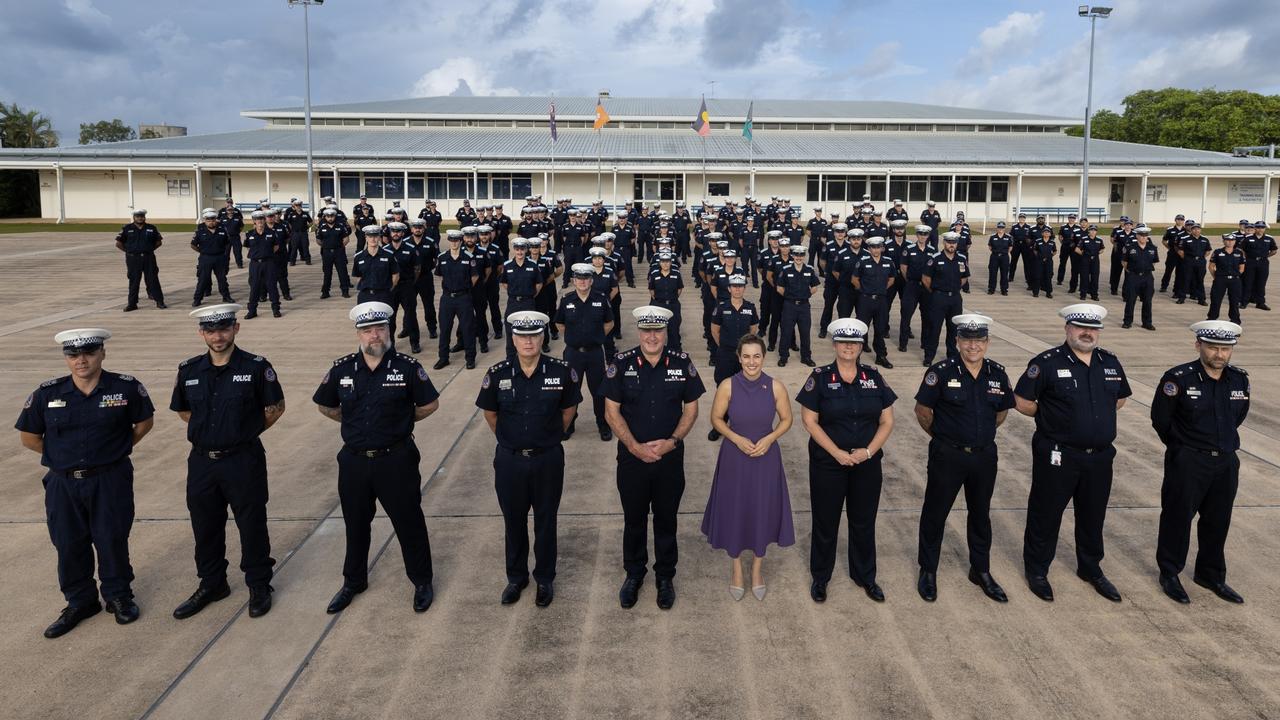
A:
(749, 507)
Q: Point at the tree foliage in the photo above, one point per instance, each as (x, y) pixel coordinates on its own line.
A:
(106, 131)
(19, 189)
(1198, 119)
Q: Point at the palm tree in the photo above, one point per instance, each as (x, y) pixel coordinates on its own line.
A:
(26, 128)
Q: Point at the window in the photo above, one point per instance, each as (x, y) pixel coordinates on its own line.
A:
(1000, 190)
(179, 187)
(373, 185)
(718, 189)
(501, 188)
(962, 191)
(939, 189)
(437, 187)
(917, 186)
(811, 189)
(373, 122)
(417, 186)
(393, 185)
(326, 186)
(836, 189)
(521, 186)
(508, 187)
(481, 187)
(898, 188)
(458, 187)
(349, 185)
(877, 190)
(977, 189)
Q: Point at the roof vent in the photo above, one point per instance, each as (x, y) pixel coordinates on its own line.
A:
(603, 94)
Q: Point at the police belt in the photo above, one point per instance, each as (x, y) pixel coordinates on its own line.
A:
(218, 453)
(457, 293)
(1138, 272)
(140, 254)
(85, 472)
(970, 449)
(376, 452)
(1210, 453)
(527, 452)
(520, 298)
(1083, 450)
(945, 292)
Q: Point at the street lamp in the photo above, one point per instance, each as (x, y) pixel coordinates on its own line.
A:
(1093, 13)
(306, 112)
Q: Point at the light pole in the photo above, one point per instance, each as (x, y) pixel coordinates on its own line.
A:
(1093, 13)
(306, 108)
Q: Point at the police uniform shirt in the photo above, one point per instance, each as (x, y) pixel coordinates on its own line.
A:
(584, 320)
(680, 222)
(261, 246)
(83, 431)
(652, 397)
(428, 252)
(604, 282)
(1021, 232)
(1226, 264)
(965, 407)
(529, 408)
(1000, 244)
(795, 282)
(549, 263)
(916, 259)
(330, 235)
(377, 405)
(1045, 248)
(432, 219)
(465, 216)
(495, 259)
(874, 275)
(666, 288)
(794, 233)
(623, 235)
(297, 220)
(895, 214)
(733, 322)
(501, 227)
(849, 413)
(1069, 235)
(1173, 235)
(1124, 238)
(521, 279)
(1194, 248)
(456, 273)
(818, 228)
(836, 257)
(139, 239)
(406, 259)
(1089, 247)
(1139, 259)
(1077, 402)
(721, 279)
(575, 234)
(211, 241)
(279, 235)
(527, 229)
(374, 270)
(615, 261)
(232, 218)
(748, 239)
(226, 402)
(1258, 248)
(946, 273)
(363, 214)
(1193, 410)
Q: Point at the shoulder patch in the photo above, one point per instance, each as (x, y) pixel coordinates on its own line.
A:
(573, 375)
(484, 384)
(811, 383)
(1033, 371)
(930, 378)
(269, 374)
(1170, 388)
(422, 373)
(30, 399)
(611, 370)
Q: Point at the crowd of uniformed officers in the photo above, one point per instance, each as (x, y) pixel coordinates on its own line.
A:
(85, 424)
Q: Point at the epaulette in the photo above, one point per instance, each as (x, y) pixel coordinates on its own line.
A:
(995, 364)
(1105, 352)
(962, 255)
(625, 354)
(126, 378)
(188, 361)
(345, 358)
(54, 381)
(1048, 354)
(259, 358)
(1238, 369)
(555, 360)
(1184, 368)
(499, 365)
(410, 358)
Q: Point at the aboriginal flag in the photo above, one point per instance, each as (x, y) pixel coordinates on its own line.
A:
(702, 123)
(602, 117)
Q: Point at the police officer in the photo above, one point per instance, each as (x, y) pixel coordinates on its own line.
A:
(912, 262)
(1139, 263)
(1068, 235)
(1226, 267)
(85, 425)
(931, 217)
(1197, 411)
(404, 293)
(1088, 250)
(529, 403)
(139, 241)
(428, 250)
(795, 283)
(945, 275)
(261, 245)
(1044, 251)
(1258, 249)
(1121, 238)
(228, 398)
(665, 286)
(585, 320)
(233, 220)
(332, 235)
(523, 278)
(1193, 253)
(1073, 391)
(651, 401)
(873, 277)
(1022, 239)
(486, 266)
(847, 410)
(376, 268)
(458, 273)
(431, 218)
(999, 263)
(280, 231)
(1173, 236)
(959, 404)
(211, 242)
(299, 222)
(732, 318)
(378, 394)
(832, 257)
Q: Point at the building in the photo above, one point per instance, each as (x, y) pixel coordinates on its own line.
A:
(988, 163)
(161, 131)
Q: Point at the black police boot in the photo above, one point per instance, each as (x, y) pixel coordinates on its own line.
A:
(666, 593)
(347, 294)
(200, 598)
(415, 348)
(1172, 587)
(511, 593)
(324, 295)
(1220, 588)
(630, 592)
(431, 333)
(883, 362)
(423, 595)
(259, 600)
(497, 332)
(1040, 587)
(989, 586)
(818, 591)
(250, 315)
(927, 585)
(129, 308)
(546, 593)
(343, 598)
(162, 306)
(275, 312)
(403, 333)
(442, 362)
(1102, 586)
(70, 617)
(125, 610)
(470, 365)
(873, 591)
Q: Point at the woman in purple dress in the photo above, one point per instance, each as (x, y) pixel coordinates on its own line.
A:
(749, 507)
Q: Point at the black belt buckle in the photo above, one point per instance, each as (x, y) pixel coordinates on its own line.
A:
(525, 452)
(80, 474)
(372, 453)
(215, 454)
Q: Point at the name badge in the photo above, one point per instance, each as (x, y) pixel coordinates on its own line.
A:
(953, 383)
(346, 381)
(193, 381)
(57, 403)
(504, 384)
(1064, 373)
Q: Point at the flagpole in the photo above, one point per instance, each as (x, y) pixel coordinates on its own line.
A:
(704, 167)
(551, 192)
(597, 163)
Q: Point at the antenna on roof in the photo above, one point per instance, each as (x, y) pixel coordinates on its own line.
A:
(603, 94)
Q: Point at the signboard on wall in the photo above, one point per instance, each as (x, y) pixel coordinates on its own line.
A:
(1157, 193)
(1244, 192)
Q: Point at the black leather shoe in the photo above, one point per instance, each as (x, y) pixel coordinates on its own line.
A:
(546, 593)
(902, 347)
(818, 591)
(630, 592)
(259, 600)
(1221, 589)
(884, 363)
(713, 435)
(1172, 587)
(1103, 586)
(484, 348)
(199, 599)
(666, 593)
(470, 365)
(873, 591)
(1127, 325)
(403, 333)
(162, 306)
(433, 334)
(989, 586)
(276, 313)
(415, 348)
(347, 294)
(343, 598)
(250, 315)
(1262, 306)
(125, 610)
(782, 362)
(606, 434)
(324, 296)
(497, 333)
(1040, 587)
(808, 362)
(127, 308)
(927, 585)
(422, 597)
(70, 617)
(457, 347)
(511, 593)
(441, 363)
(1148, 327)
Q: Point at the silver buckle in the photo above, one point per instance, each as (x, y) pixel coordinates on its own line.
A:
(79, 474)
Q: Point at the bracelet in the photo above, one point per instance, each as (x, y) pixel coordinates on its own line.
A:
(868, 452)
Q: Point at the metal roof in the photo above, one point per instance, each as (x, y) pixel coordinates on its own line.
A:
(423, 146)
(627, 108)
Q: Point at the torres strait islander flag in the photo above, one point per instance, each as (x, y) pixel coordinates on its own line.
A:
(702, 123)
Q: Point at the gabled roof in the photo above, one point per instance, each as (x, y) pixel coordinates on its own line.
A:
(620, 108)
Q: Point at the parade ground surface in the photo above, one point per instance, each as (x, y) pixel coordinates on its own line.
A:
(584, 657)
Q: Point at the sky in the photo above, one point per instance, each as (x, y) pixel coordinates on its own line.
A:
(198, 64)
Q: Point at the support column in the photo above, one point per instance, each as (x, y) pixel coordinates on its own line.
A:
(199, 193)
(1204, 199)
(62, 197)
(1019, 209)
(475, 183)
(986, 211)
(615, 187)
(337, 188)
(1268, 210)
(404, 188)
(951, 201)
(130, 172)
(822, 194)
(268, 195)
(1142, 200)
(684, 189)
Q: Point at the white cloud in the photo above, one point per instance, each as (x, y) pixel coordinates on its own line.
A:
(884, 61)
(458, 73)
(84, 10)
(1011, 37)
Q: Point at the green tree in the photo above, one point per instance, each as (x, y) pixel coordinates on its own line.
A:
(106, 131)
(1107, 125)
(1198, 119)
(149, 134)
(19, 189)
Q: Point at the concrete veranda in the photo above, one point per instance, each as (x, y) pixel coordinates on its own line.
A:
(963, 656)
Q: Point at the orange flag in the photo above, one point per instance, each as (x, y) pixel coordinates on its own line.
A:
(602, 117)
